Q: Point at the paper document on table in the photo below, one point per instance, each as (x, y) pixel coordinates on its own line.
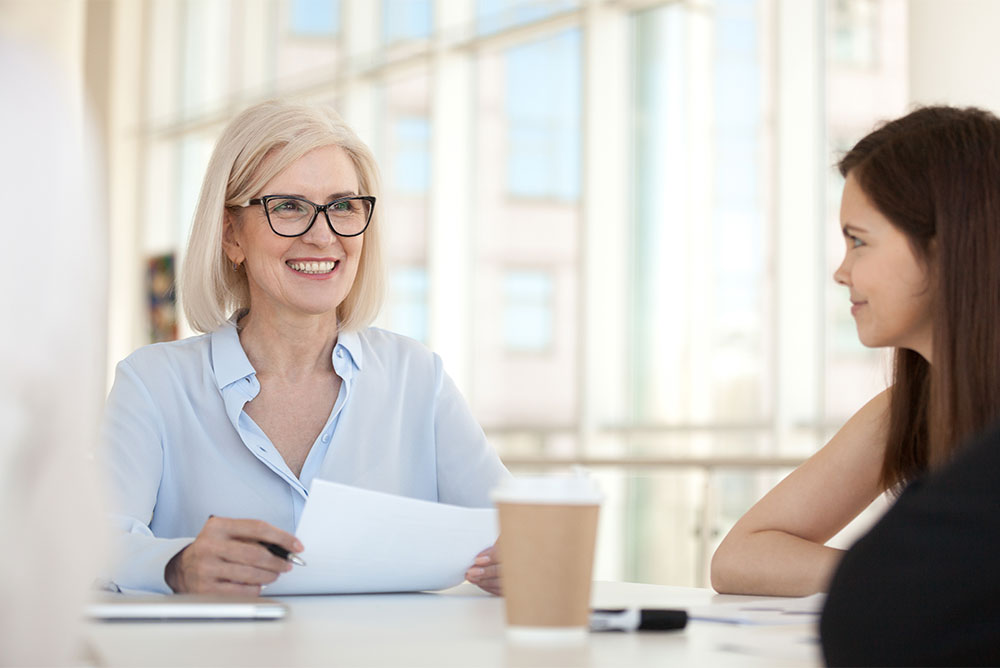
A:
(763, 611)
(359, 541)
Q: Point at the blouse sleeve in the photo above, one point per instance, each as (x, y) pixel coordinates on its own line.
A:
(468, 467)
(133, 463)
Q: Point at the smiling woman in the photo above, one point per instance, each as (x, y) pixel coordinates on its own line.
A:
(919, 213)
(289, 383)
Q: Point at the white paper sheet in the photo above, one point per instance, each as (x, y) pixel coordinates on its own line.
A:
(359, 541)
(770, 611)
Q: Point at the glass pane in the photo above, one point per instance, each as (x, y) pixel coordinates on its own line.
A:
(405, 19)
(527, 318)
(307, 48)
(315, 17)
(701, 279)
(543, 104)
(407, 303)
(411, 154)
(496, 15)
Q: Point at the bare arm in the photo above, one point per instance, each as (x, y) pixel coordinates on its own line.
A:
(777, 548)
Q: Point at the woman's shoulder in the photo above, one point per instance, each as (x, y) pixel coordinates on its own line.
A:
(179, 353)
(392, 348)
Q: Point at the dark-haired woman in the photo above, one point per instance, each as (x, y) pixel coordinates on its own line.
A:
(921, 220)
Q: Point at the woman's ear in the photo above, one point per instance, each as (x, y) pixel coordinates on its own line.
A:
(230, 240)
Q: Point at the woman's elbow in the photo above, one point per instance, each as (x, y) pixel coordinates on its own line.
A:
(723, 570)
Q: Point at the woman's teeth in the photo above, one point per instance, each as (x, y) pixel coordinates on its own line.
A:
(313, 267)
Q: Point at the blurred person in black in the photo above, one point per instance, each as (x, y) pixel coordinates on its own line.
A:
(923, 587)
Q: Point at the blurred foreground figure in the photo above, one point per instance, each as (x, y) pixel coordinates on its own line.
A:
(52, 347)
(921, 589)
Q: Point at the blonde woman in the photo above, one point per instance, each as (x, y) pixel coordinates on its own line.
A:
(213, 441)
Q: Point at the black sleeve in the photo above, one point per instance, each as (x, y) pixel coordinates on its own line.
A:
(923, 586)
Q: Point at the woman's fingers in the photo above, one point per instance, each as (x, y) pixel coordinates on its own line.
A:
(244, 575)
(254, 554)
(492, 585)
(485, 570)
(481, 573)
(485, 573)
(228, 557)
(486, 556)
(258, 530)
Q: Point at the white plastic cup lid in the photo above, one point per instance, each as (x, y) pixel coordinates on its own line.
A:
(574, 488)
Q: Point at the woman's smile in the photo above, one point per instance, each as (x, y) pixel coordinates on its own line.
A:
(313, 268)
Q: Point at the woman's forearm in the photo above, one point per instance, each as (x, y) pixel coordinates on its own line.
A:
(772, 563)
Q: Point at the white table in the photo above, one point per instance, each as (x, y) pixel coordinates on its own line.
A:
(459, 627)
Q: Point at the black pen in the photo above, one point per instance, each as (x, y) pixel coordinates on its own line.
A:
(636, 619)
(282, 553)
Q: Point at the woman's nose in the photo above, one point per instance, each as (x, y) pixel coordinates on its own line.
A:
(842, 275)
(321, 233)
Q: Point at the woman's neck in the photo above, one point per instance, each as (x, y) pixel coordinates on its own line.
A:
(288, 347)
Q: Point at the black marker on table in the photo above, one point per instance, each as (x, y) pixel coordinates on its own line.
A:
(636, 619)
(282, 553)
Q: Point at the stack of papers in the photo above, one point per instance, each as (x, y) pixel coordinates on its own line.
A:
(358, 541)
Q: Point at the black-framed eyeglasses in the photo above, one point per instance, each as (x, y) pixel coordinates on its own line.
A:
(291, 216)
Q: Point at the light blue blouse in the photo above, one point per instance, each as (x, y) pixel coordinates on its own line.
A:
(180, 447)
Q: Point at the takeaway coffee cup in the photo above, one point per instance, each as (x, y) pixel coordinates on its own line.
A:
(548, 528)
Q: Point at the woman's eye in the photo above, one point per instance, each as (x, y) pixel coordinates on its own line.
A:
(343, 207)
(287, 207)
(855, 242)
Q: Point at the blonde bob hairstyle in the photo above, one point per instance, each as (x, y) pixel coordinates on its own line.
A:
(255, 147)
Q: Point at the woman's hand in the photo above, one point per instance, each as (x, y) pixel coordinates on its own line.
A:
(227, 558)
(485, 571)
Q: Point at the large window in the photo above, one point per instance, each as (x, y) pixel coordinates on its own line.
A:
(615, 221)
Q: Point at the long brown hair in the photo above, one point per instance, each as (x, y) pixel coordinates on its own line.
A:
(935, 174)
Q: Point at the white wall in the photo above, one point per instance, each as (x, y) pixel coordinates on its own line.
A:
(53, 27)
(953, 52)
